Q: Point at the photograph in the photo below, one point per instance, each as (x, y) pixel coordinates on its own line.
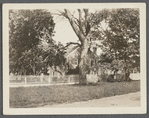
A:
(72, 58)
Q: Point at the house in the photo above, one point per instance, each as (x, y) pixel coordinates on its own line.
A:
(71, 56)
(73, 53)
(72, 60)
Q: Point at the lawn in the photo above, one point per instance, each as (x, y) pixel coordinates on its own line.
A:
(25, 97)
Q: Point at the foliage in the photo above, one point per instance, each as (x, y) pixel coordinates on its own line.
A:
(31, 40)
(32, 48)
(27, 27)
(31, 61)
(122, 39)
(87, 28)
(53, 55)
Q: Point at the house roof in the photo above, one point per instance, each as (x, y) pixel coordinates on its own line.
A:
(71, 50)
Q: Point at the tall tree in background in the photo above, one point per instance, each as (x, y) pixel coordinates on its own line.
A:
(26, 29)
(31, 62)
(122, 40)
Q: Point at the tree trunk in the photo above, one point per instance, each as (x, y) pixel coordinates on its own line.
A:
(83, 63)
(83, 36)
(126, 69)
(34, 69)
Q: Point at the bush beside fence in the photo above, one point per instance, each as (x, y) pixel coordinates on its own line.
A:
(119, 77)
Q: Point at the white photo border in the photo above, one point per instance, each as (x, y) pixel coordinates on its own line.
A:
(66, 111)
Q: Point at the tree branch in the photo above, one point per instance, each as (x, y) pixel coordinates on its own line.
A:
(120, 25)
(58, 71)
(73, 24)
(77, 23)
(80, 21)
(68, 44)
(87, 25)
(86, 16)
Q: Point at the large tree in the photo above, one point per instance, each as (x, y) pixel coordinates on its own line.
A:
(87, 28)
(27, 28)
(122, 39)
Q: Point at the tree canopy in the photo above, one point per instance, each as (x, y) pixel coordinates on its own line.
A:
(29, 29)
(32, 48)
(122, 39)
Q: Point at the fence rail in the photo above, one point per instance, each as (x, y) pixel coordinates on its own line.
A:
(30, 79)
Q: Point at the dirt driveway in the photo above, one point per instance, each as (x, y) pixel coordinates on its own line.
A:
(126, 100)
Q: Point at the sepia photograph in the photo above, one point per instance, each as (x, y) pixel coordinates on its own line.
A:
(74, 58)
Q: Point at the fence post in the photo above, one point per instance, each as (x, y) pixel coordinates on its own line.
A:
(50, 79)
(25, 81)
(41, 77)
(133, 74)
(69, 78)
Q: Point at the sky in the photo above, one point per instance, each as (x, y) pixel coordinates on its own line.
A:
(63, 30)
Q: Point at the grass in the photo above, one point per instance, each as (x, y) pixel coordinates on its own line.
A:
(28, 97)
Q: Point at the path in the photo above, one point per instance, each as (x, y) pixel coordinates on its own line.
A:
(126, 100)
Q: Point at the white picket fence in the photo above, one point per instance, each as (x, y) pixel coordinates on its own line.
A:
(68, 79)
(30, 79)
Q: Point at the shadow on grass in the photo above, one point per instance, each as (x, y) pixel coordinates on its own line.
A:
(102, 82)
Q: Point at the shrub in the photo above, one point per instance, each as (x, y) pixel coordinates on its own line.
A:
(110, 78)
(107, 78)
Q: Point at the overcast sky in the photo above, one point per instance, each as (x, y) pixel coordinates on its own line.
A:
(63, 30)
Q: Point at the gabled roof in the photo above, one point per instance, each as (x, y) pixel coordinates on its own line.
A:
(71, 50)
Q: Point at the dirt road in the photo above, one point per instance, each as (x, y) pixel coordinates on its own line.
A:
(126, 100)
